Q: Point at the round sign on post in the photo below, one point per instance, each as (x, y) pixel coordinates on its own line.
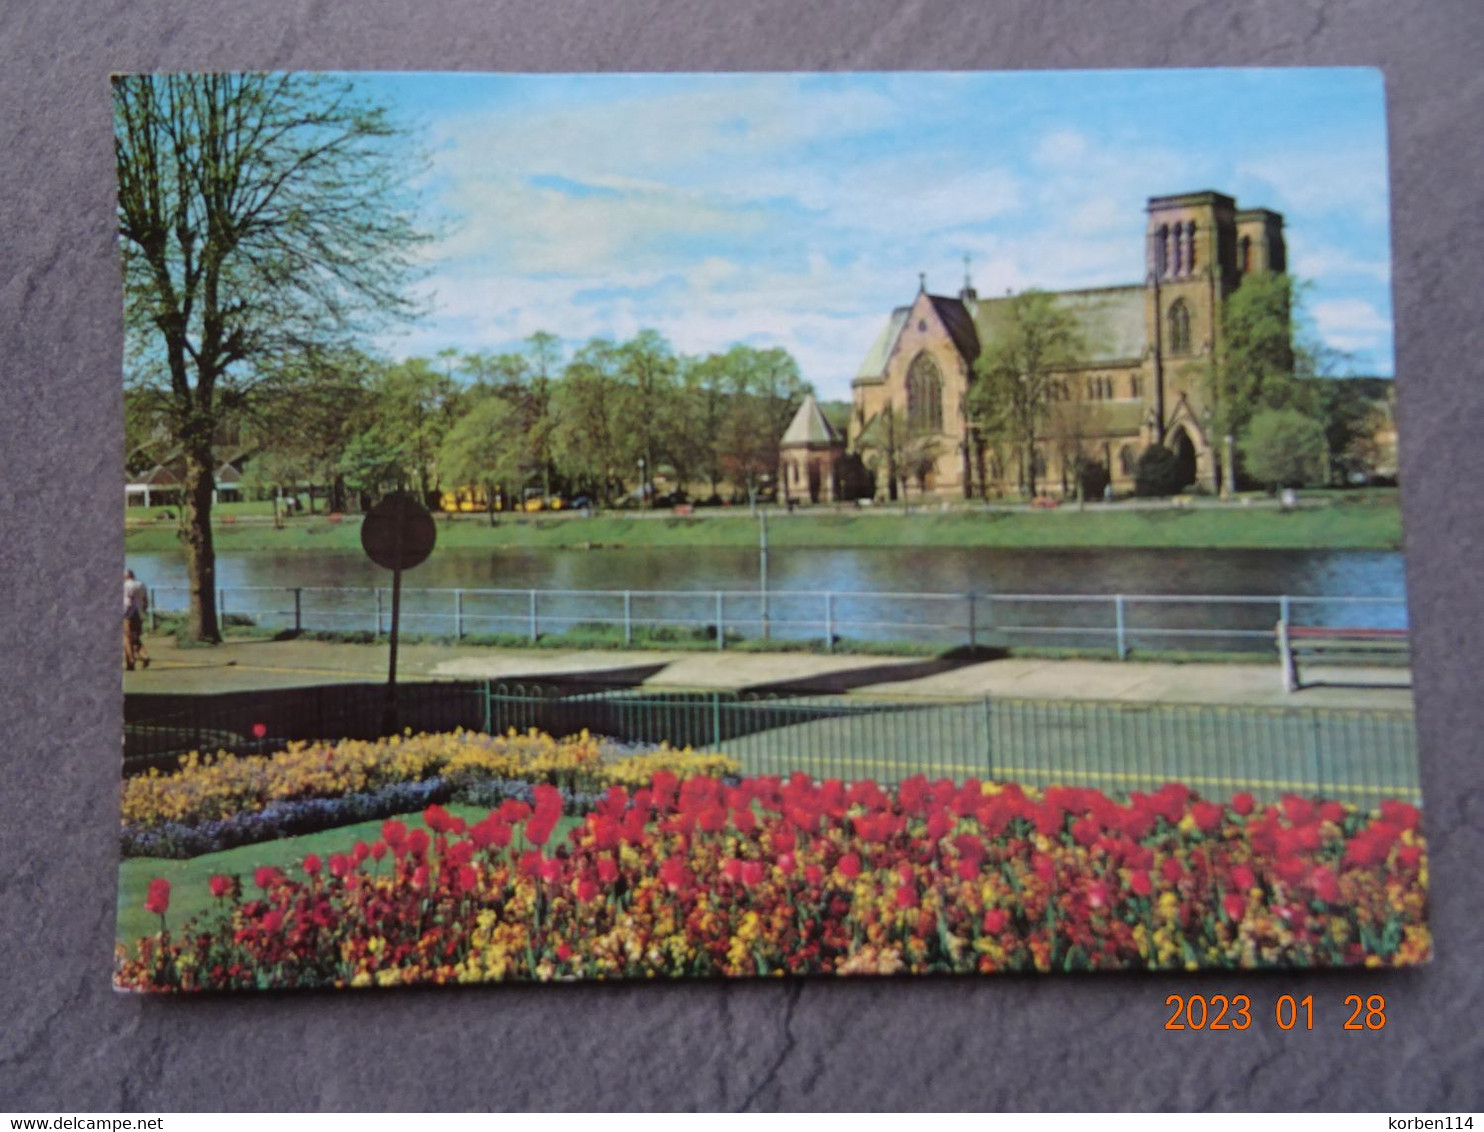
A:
(398, 533)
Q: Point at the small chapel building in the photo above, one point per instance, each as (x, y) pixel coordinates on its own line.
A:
(1141, 379)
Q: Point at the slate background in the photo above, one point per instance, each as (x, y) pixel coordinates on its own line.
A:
(68, 1043)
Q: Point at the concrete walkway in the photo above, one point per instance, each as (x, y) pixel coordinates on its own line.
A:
(242, 665)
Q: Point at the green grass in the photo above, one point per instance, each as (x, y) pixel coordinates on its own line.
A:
(189, 895)
(1350, 520)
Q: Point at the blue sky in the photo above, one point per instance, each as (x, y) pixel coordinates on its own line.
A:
(796, 210)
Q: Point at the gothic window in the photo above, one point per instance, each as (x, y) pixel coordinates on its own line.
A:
(924, 395)
(1190, 247)
(1179, 242)
(1179, 327)
(1161, 251)
(1244, 255)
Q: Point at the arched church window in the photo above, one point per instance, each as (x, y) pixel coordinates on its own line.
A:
(1244, 254)
(1179, 242)
(1179, 327)
(1190, 247)
(924, 395)
(1161, 251)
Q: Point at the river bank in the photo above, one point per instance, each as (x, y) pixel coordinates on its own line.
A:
(1360, 522)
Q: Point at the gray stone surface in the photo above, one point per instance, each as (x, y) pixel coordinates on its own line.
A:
(68, 1043)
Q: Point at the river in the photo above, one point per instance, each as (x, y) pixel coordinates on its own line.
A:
(925, 591)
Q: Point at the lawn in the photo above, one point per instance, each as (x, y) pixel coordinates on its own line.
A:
(188, 879)
(1349, 521)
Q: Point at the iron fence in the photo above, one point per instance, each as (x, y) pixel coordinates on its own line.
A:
(1119, 624)
(1357, 756)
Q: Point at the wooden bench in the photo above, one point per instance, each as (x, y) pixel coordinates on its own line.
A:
(1338, 646)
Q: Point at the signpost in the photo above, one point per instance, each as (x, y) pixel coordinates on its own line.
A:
(397, 534)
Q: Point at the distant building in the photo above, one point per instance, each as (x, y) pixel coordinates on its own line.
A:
(811, 457)
(1141, 380)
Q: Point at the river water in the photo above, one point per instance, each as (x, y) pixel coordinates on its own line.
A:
(877, 593)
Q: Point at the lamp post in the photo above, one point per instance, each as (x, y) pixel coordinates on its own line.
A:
(762, 551)
(644, 492)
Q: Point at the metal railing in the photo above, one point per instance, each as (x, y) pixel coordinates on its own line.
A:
(1115, 623)
(1356, 756)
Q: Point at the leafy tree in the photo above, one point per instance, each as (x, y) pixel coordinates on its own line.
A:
(1158, 473)
(1008, 404)
(1257, 364)
(1284, 448)
(589, 436)
(765, 393)
(486, 447)
(262, 221)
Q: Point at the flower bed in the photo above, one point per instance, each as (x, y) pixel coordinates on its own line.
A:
(766, 877)
(232, 788)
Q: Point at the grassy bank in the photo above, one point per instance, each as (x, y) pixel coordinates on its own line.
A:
(1362, 521)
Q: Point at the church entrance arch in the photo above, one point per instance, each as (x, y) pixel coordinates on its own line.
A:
(1184, 449)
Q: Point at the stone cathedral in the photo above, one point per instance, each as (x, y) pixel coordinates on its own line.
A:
(1140, 378)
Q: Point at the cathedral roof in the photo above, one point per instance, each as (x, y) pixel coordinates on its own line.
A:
(960, 323)
(874, 366)
(1111, 320)
(809, 427)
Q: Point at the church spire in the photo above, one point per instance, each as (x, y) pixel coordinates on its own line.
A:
(968, 293)
(922, 282)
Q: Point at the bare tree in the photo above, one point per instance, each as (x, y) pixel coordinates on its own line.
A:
(263, 223)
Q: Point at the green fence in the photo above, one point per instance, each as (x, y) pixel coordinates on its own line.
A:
(1356, 756)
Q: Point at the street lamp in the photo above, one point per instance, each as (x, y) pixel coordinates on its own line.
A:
(644, 494)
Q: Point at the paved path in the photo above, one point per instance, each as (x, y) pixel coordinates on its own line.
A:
(284, 664)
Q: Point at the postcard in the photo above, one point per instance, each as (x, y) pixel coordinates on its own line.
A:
(738, 525)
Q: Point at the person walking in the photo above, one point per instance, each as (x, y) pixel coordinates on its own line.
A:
(136, 605)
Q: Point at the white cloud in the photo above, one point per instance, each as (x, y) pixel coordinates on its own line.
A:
(1351, 324)
(1346, 181)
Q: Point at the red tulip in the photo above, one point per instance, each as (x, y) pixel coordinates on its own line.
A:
(436, 818)
(1235, 906)
(752, 873)
(1139, 883)
(417, 842)
(786, 863)
(360, 851)
(467, 877)
(849, 866)
(813, 875)
(907, 896)
(994, 921)
(1242, 878)
(157, 899)
(1408, 856)
(1171, 871)
(1326, 886)
(1243, 803)
(587, 889)
(378, 850)
(563, 952)
(1207, 816)
(272, 921)
(393, 832)
(220, 886)
(266, 876)
(1400, 814)
(312, 864)
(259, 730)
(607, 870)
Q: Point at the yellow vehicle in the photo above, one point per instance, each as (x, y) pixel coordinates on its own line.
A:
(467, 498)
(535, 501)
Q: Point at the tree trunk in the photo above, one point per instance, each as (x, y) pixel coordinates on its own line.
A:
(195, 537)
